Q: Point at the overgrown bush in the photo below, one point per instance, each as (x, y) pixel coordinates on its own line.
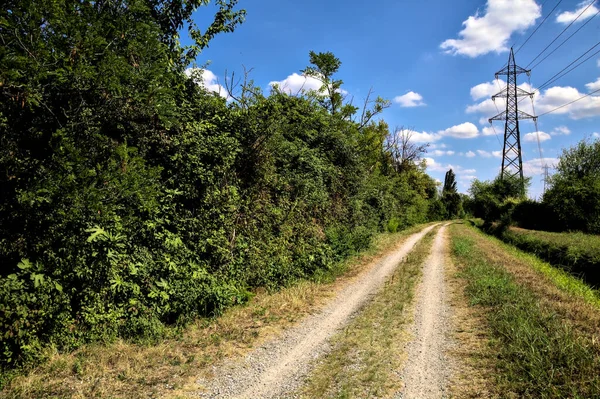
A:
(132, 199)
(495, 200)
(574, 193)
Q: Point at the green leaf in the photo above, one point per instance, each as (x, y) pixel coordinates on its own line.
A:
(37, 279)
(96, 232)
(24, 264)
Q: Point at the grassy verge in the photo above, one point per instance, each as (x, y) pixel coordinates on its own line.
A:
(367, 355)
(170, 368)
(576, 253)
(563, 279)
(539, 353)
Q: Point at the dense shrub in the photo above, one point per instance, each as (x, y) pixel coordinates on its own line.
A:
(132, 199)
(530, 214)
(495, 200)
(574, 193)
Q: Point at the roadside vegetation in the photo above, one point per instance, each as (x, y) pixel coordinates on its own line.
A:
(577, 253)
(571, 202)
(170, 368)
(368, 353)
(560, 228)
(543, 338)
(135, 201)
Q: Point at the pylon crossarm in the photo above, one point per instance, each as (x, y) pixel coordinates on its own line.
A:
(520, 115)
(509, 70)
(505, 94)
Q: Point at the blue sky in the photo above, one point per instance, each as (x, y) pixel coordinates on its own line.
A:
(436, 61)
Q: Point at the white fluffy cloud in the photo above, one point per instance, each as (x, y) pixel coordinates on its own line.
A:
(296, 83)
(439, 153)
(487, 89)
(557, 96)
(567, 17)
(207, 79)
(593, 85)
(465, 130)
(497, 154)
(532, 137)
(470, 154)
(488, 131)
(560, 130)
(410, 99)
(546, 101)
(424, 137)
(487, 107)
(491, 31)
(486, 154)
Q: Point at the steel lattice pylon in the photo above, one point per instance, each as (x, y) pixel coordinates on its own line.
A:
(512, 161)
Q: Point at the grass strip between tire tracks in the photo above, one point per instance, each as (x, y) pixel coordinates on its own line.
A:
(538, 353)
(367, 355)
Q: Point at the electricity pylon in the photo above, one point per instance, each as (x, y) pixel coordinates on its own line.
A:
(512, 161)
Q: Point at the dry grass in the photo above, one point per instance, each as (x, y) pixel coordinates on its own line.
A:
(472, 354)
(576, 305)
(170, 368)
(367, 355)
(543, 338)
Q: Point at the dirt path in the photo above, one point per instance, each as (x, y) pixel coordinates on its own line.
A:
(278, 367)
(428, 369)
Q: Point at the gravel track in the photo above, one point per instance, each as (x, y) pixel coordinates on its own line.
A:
(278, 367)
(428, 368)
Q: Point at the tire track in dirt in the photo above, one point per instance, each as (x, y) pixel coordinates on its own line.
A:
(428, 368)
(279, 366)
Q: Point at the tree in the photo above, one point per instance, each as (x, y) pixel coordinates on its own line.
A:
(323, 67)
(489, 197)
(450, 197)
(449, 183)
(574, 193)
(102, 136)
(405, 152)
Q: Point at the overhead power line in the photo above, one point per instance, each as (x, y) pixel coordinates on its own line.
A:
(566, 40)
(562, 72)
(538, 27)
(560, 34)
(572, 69)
